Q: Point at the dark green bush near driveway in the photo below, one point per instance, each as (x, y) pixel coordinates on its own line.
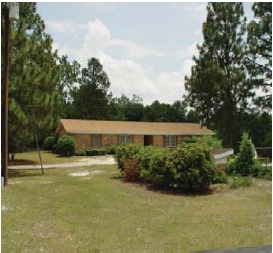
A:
(80, 153)
(96, 152)
(66, 146)
(49, 142)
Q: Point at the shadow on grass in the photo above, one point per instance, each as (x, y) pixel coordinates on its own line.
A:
(164, 190)
(21, 162)
(24, 173)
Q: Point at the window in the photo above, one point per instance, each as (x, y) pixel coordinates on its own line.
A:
(96, 140)
(125, 138)
(170, 141)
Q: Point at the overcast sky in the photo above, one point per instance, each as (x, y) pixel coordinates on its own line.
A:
(145, 48)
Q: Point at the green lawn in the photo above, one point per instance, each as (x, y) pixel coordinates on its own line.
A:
(32, 157)
(99, 213)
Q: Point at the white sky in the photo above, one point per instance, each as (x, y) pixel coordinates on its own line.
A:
(145, 48)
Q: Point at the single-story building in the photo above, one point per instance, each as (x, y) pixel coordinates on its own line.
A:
(104, 134)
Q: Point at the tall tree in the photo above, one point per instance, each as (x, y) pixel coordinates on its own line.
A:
(34, 73)
(68, 80)
(125, 109)
(217, 86)
(260, 52)
(91, 99)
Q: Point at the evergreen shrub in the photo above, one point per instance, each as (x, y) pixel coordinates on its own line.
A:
(80, 153)
(96, 152)
(49, 142)
(126, 151)
(190, 167)
(159, 173)
(112, 150)
(244, 163)
(245, 158)
(194, 165)
(65, 145)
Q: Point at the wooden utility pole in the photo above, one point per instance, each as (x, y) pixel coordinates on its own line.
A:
(10, 12)
(5, 98)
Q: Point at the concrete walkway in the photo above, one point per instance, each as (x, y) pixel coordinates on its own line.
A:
(87, 161)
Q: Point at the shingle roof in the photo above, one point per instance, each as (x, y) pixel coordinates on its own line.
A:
(129, 127)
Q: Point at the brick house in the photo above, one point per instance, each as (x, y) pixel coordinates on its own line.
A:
(89, 134)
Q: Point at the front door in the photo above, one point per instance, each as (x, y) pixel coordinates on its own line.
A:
(148, 140)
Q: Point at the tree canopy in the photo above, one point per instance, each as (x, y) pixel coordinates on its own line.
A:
(260, 52)
(232, 73)
(34, 73)
(218, 87)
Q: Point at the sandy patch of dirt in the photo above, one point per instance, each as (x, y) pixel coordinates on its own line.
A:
(79, 174)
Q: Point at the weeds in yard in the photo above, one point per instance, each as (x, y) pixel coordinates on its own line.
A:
(238, 181)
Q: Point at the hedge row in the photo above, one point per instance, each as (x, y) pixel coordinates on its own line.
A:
(190, 166)
(91, 152)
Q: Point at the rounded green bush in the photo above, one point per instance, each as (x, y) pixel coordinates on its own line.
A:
(159, 173)
(49, 142)
(66, 145)
(126, 151)
(194, 166)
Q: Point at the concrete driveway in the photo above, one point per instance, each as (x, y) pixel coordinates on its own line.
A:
(86, 161)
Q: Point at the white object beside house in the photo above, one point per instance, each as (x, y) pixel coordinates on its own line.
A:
(221, 155)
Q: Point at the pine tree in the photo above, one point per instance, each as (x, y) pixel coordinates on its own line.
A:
(34, 73)
(260, 52)
(91, 99)
(217, 87)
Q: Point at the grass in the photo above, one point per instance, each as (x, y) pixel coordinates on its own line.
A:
(100, 213)
(32, 157)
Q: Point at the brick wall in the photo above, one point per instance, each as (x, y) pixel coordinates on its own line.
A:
(108, 140)
(159, 141)
(62, 132)
(138, 139)
(82, 141)
(85, 141)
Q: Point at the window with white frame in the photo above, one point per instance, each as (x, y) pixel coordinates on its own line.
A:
(170, 141)
(96, 140)
(125, 138)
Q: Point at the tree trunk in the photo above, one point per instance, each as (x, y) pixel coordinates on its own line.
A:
(230, 123)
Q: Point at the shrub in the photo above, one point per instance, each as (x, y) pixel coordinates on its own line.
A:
(144, 156)
(126, 151)
(231, 166)
(245, 158)
(80, 153)
(212, 141)
(243, 164)
(49, 142)
(195, 166)
(112, 150)
(261, 171)
(130, 170)
(96, 152)
(159, 173)
(220, 177)
(66, 145)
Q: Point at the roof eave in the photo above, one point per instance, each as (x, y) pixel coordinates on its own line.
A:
(139, 133)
